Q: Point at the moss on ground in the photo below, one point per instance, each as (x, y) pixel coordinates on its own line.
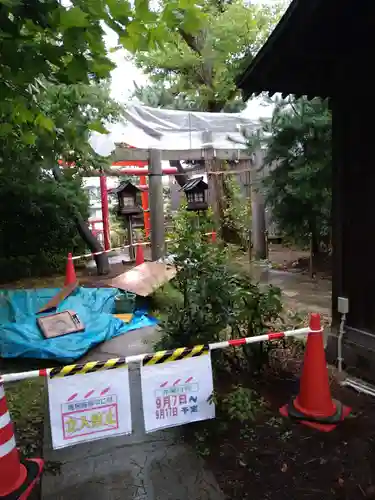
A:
(26, 405)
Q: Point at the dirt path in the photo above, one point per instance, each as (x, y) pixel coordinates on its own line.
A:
(299, 292)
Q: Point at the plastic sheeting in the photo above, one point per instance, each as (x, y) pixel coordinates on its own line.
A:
(20, 336)
(174, 130)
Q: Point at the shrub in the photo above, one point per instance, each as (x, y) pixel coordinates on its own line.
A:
(36, 231)
(217, 301)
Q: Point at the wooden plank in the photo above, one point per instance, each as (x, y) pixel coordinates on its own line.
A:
(129, 154)
(144, 279)
(59, 297)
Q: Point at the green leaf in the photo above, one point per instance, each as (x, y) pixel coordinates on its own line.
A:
(74, 18)
(128, 43)
(76, 70)
(44, 122)
(102, 67)
(29, 138)
(97, 126)
(5, 129)
(119, 8)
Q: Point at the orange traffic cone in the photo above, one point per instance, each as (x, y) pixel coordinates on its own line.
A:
(17, 479)
(70, 274)
(139, 256)
(314, 405)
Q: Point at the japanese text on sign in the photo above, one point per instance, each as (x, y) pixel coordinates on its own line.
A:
(91, 416)
(172, 395)
(170, 404)
(88, 407)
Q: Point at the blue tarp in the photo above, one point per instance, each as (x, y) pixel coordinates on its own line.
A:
(20, 336)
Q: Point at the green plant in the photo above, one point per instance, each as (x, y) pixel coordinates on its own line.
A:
(217, 301)
(298, 154)
(237, 214)
(36, 231)
(241, 404)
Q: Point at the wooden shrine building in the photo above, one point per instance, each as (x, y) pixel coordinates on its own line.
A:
(323, 48)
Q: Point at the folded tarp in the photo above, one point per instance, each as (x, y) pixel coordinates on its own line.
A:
(20, 336)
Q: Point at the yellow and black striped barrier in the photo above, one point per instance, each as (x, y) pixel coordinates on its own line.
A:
(149, 359)
(90, 367)
(175, 355)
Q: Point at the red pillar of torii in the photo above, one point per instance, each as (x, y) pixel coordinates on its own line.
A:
(144, 194)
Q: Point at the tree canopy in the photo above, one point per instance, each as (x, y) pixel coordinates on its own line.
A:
(38, 217)
(298, 155)
(46, 40)
(197, 65)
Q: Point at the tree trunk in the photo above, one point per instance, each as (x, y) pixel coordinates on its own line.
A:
(181, 179)
(102, 263)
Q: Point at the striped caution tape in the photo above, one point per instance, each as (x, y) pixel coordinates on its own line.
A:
(156, 358)
(175, 355)
(90, 367)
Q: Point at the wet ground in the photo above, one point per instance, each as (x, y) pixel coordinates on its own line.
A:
(155, 466)
(299, 291)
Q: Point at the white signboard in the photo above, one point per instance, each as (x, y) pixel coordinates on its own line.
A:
(88, 407)
(177, 392)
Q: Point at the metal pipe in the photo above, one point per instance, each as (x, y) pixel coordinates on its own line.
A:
(358, 386)
(340, 359)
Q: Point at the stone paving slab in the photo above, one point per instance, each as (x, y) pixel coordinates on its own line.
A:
(155, 466)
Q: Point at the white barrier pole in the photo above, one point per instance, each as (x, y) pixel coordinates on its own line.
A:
(13, 377)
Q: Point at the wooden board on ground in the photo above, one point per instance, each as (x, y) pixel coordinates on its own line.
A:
(59, 297)
(145, 278)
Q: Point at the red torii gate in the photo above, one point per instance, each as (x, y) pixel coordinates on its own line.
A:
(142, 172)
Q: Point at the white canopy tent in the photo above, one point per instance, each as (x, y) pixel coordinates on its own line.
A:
(170, 130)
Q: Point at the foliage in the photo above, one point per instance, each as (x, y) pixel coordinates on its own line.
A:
(48, 41)
(298, 188)
(77, 110)
(217, 301)
(36, 226)
(63, 43)
(240, 404)
(36, 230)
(198, 65)
(237, 212)
(26, 405)
(158, 95)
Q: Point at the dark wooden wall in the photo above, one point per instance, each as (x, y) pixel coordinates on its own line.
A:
(354, 206)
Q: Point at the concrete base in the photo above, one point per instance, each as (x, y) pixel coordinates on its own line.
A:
(157, 466)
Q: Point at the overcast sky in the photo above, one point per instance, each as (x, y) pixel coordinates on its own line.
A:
(126, 73)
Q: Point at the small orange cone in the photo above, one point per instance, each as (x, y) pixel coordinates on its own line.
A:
(139, 256)
(17, 478)
(314, 405)
(70, 274)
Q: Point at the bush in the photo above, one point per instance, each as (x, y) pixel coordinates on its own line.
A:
(217, 301)
(36, 231)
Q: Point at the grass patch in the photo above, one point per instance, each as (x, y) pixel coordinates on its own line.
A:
(26, 405)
